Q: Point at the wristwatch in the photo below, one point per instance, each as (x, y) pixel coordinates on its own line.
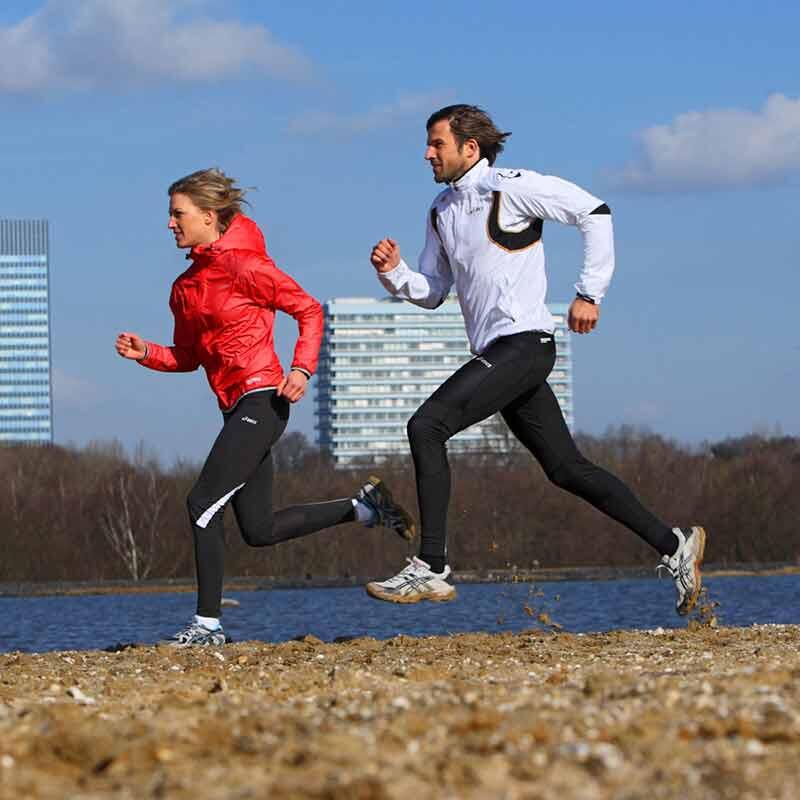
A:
(585, 298)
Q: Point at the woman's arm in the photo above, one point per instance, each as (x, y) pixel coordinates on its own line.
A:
(180, 357)
(272, 288)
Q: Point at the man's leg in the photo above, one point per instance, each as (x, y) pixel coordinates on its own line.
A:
(476, 391)
(535, 418)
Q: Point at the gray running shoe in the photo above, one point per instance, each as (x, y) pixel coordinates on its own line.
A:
(388, 514)
(413, 584)
(684, 566)
(196, 634)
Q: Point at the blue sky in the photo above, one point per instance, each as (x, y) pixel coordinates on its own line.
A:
(685, 118)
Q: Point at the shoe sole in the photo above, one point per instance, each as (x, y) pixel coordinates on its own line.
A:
(411, 527)
(691, 602)
(378, 594)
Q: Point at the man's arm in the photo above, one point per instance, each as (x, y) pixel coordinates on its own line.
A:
(427, 288)
(551, 198)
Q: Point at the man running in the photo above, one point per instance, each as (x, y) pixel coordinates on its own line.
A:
(484, 239)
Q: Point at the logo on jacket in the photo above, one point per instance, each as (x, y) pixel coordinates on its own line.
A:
(250, 420)
(257, 379)
(509, 174)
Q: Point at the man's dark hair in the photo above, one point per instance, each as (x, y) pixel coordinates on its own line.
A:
(471, 122)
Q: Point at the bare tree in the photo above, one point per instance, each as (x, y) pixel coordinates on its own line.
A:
(132, 517)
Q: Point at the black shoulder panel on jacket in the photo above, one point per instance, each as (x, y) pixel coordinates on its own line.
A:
(509, 240)
(435, 220)
(603, 209)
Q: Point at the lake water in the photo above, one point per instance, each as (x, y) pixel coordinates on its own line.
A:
(36, 624)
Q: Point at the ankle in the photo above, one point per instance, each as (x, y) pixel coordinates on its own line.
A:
(435, 562)
(363, 512)
(210, 623)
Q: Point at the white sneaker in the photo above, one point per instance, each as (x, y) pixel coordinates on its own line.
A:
(415, 583)
(196, 634)
(684, 566)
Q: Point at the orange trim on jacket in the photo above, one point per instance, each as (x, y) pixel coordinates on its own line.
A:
(224, 307)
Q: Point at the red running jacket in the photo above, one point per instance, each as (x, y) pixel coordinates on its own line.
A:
(224, 307)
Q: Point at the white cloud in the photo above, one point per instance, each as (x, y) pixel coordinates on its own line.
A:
(719, 148)
(384, 116)
(85, 44)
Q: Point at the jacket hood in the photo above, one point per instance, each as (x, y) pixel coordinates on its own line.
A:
(242, 234)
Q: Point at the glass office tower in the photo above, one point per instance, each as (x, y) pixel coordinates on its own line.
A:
(25, 387)
(381, 359)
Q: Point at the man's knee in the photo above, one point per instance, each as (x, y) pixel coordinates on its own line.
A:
(576, 475)
(432, 422)
(568, 475)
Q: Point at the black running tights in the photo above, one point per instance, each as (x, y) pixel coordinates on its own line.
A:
(510, 377)
(239, 469)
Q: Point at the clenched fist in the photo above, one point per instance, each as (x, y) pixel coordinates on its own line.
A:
(129, 345)
(385, 255)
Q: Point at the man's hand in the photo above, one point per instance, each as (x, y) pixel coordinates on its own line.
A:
(583, 316)
(385, 255)
(293, 386)
(129, 345)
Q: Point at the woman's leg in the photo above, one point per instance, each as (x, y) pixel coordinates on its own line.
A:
(249, 432)
(261, 526)
(239, 469)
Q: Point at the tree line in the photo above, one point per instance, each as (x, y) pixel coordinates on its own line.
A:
(95, 513)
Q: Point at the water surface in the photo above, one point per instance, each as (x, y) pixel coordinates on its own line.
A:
(37, 624)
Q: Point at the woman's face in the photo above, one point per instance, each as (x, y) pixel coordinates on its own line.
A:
(191, 225)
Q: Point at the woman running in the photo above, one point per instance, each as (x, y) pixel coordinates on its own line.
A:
(224, 307)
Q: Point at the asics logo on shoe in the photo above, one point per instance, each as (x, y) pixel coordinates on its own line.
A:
(250, 420)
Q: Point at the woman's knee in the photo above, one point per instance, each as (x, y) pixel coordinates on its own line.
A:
(197, 505)
(256, 534)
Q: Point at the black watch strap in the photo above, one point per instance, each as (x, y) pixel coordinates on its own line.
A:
(586, 298)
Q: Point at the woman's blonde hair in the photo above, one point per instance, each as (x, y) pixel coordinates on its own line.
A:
(212, 190)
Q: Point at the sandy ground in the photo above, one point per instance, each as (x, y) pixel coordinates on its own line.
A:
(699, 713)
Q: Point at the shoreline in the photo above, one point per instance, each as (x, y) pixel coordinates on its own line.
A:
(265, 583)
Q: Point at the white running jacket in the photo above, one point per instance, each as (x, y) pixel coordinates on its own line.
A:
(484, 237)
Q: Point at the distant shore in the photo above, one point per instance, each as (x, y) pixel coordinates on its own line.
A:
(262, 583)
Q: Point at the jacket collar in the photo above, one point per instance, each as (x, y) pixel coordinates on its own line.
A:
(241, 234)
(471, 176)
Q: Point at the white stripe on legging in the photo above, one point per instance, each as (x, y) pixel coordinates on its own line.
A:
(205, 517)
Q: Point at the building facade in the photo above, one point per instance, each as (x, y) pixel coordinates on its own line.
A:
(380, 359)
(25, 380)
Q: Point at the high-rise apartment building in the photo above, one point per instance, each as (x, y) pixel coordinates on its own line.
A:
(381, 359)
(25, 389)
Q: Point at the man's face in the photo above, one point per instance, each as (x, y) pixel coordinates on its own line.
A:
(448, 161)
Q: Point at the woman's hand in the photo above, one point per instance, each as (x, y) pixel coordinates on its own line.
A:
(293, 386)
(129, 345)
